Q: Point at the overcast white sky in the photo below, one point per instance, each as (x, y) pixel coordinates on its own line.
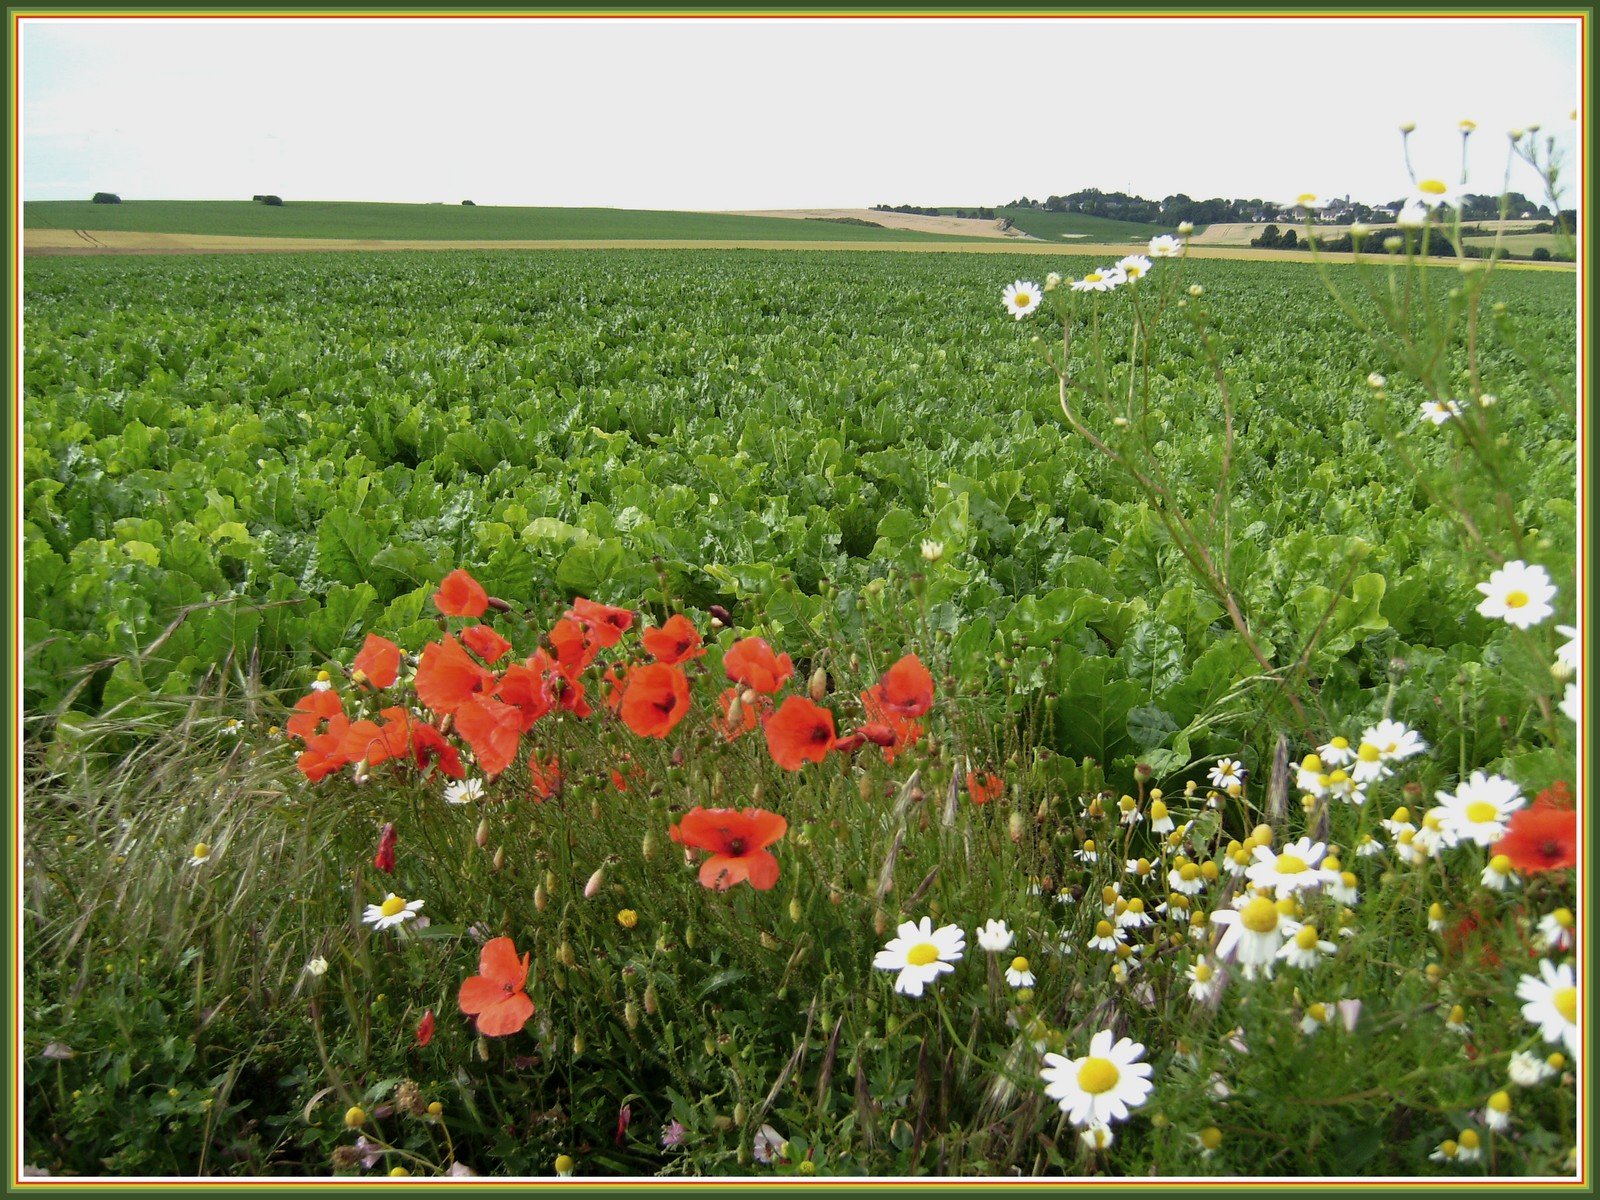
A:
(701, 114)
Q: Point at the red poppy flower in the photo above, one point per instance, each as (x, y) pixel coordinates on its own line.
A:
(1557, 795)
(850, 744)
(574, 648)
(676, 641)
(799, 732)
(752, 663)
(604, 622)
(526, 688)
(1470, 938)
(425, 1030)
(310, 711)
(906, 688)
(492, 729)
(749, 714)
(377, 663)
(447, 677)
(495, 995)
(324, 753)
(619, 780)
(654, 699)
(372, 743)
(984, 788)
(544, 778)
(903, 732)
(429, 747)
(485, 642)
(737, 842)
(460, 595)
(384, 858)
(613, 690)
(1541, 838)
(624, 1119)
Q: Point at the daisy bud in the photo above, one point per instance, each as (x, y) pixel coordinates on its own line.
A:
(541, 898)
(499, 858)
(1409, 127)
(1262, 835)
(1376, 380)
(355, 1117)
(1393, 244)
(627, 918)
(482, 837)
(595, 880)
(1196, 290)
(819, 685)
(652, 999)
(1185, 228)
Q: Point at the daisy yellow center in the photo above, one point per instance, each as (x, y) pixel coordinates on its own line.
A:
(1566, 1002)
(1500, 864)
(1104, 929)
(1311, 763)
(1516, 599)
(922, 954)
(1093, 277)
(1289, 864)
(1088, 845)
(1432, 187)
(1481, 810)
(1306, 939)
(201, 850)
(1202, 973)
(1188, 872)
(1098, 1075)
(1368, 752)
(1259, 916)
(1019, 964)
(1563, 917)
(1022, 299)
(391, 906)
(1340, 743)
(1318, 1012)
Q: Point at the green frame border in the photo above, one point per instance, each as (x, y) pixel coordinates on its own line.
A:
(1262, 9)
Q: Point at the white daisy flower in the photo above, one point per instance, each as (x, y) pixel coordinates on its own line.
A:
(921, 954)
(1519, 594)
(1344, 891)
(1342, 786)
(1412, 216)
(1569, 703)
(1368, 847)
(1317, 1017)
(1186, 880)
(1088, 853)
(322, 682)
(1133, 916)
(932, 550)
(1434, 835)
(233, 727)
(1375, 380)
(1101, 1086)
(1337, 753)
(1447, 1151)
(1109, 898)
(1135, 267)
(1437, 412)
(1496, 1113)
(1226, 773)
(1305, 950)
(1431, 193)
(1138, 867)
(1567, 652)
(1130, 810)
(1294, 869)
(1160, 818)
(1101, 279)
(317, 966)
(1097, 1137)
(1471, 1145)
(1019, 974)
(463, 791)
(994, 937)
(1498, 874)
(1527, 1069)
(1107, 937)
(1398, 822)
(1369, 766)
(1022, 297)
(1309, 776)
(395, 910)
(1395, 741)
(1165, 246)
(1480, 808)
(1253, 934)
(200, 856)
(1205, 980)
(1555, 930)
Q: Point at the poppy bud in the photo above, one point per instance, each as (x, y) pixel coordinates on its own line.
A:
(483, 833)
(718, 613)
(880, 922)
(740, 1114)
(564, 954)
(855, 663)
(677, 757)
(710, 1047)
(717, 785)
(595, 880)
(876, 733)
(498, 604)
(384, 859)
(722, 1122)
(748, 696)
(690, 937)
(850, 744)
(550, 881)
(648, 849)
(630, 1014)
(499, 858)
(652, 999)
(541, 898)
(483, 1050)
(918, 795)
(1015, 824)
(578, 1044)
(795, 910)
(1142, 772)
(447, 722)
(835, 896)
(767, 940)
(819, 685)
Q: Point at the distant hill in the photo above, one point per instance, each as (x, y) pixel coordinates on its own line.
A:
(1076, 227)
(444, 222)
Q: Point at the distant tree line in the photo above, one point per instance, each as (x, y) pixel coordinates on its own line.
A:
(976, 214)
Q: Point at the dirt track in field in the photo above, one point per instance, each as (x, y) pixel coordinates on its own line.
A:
(83, 243)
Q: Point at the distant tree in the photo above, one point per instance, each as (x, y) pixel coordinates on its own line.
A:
(1541, 254)
(1290, 239)
(1268, 237)
(107, 198)
(468, 204)
(271, 201)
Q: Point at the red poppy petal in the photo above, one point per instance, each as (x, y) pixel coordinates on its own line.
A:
(506, 1017)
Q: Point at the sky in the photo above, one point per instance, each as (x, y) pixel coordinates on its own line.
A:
(714, 115)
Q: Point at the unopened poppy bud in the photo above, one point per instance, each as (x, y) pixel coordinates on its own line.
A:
(718, 613)
(690, 937)
(595, 880)
(564, 954)
(767, 940)
(499, 858)
(652, 999)
(819, 685)
(1014, 826)
(483, 833)
(541, 898)
(578, 1044)
(740, 1114)
(483, 1050)
(1143, 771)
(550, 882)
(795, 910)
(748, 696)
(864, 787)
(736, 712)
(722, 1122)
(498, 604)
(630, 1014)
(718, 785)
(648, 849)
(880, 922)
